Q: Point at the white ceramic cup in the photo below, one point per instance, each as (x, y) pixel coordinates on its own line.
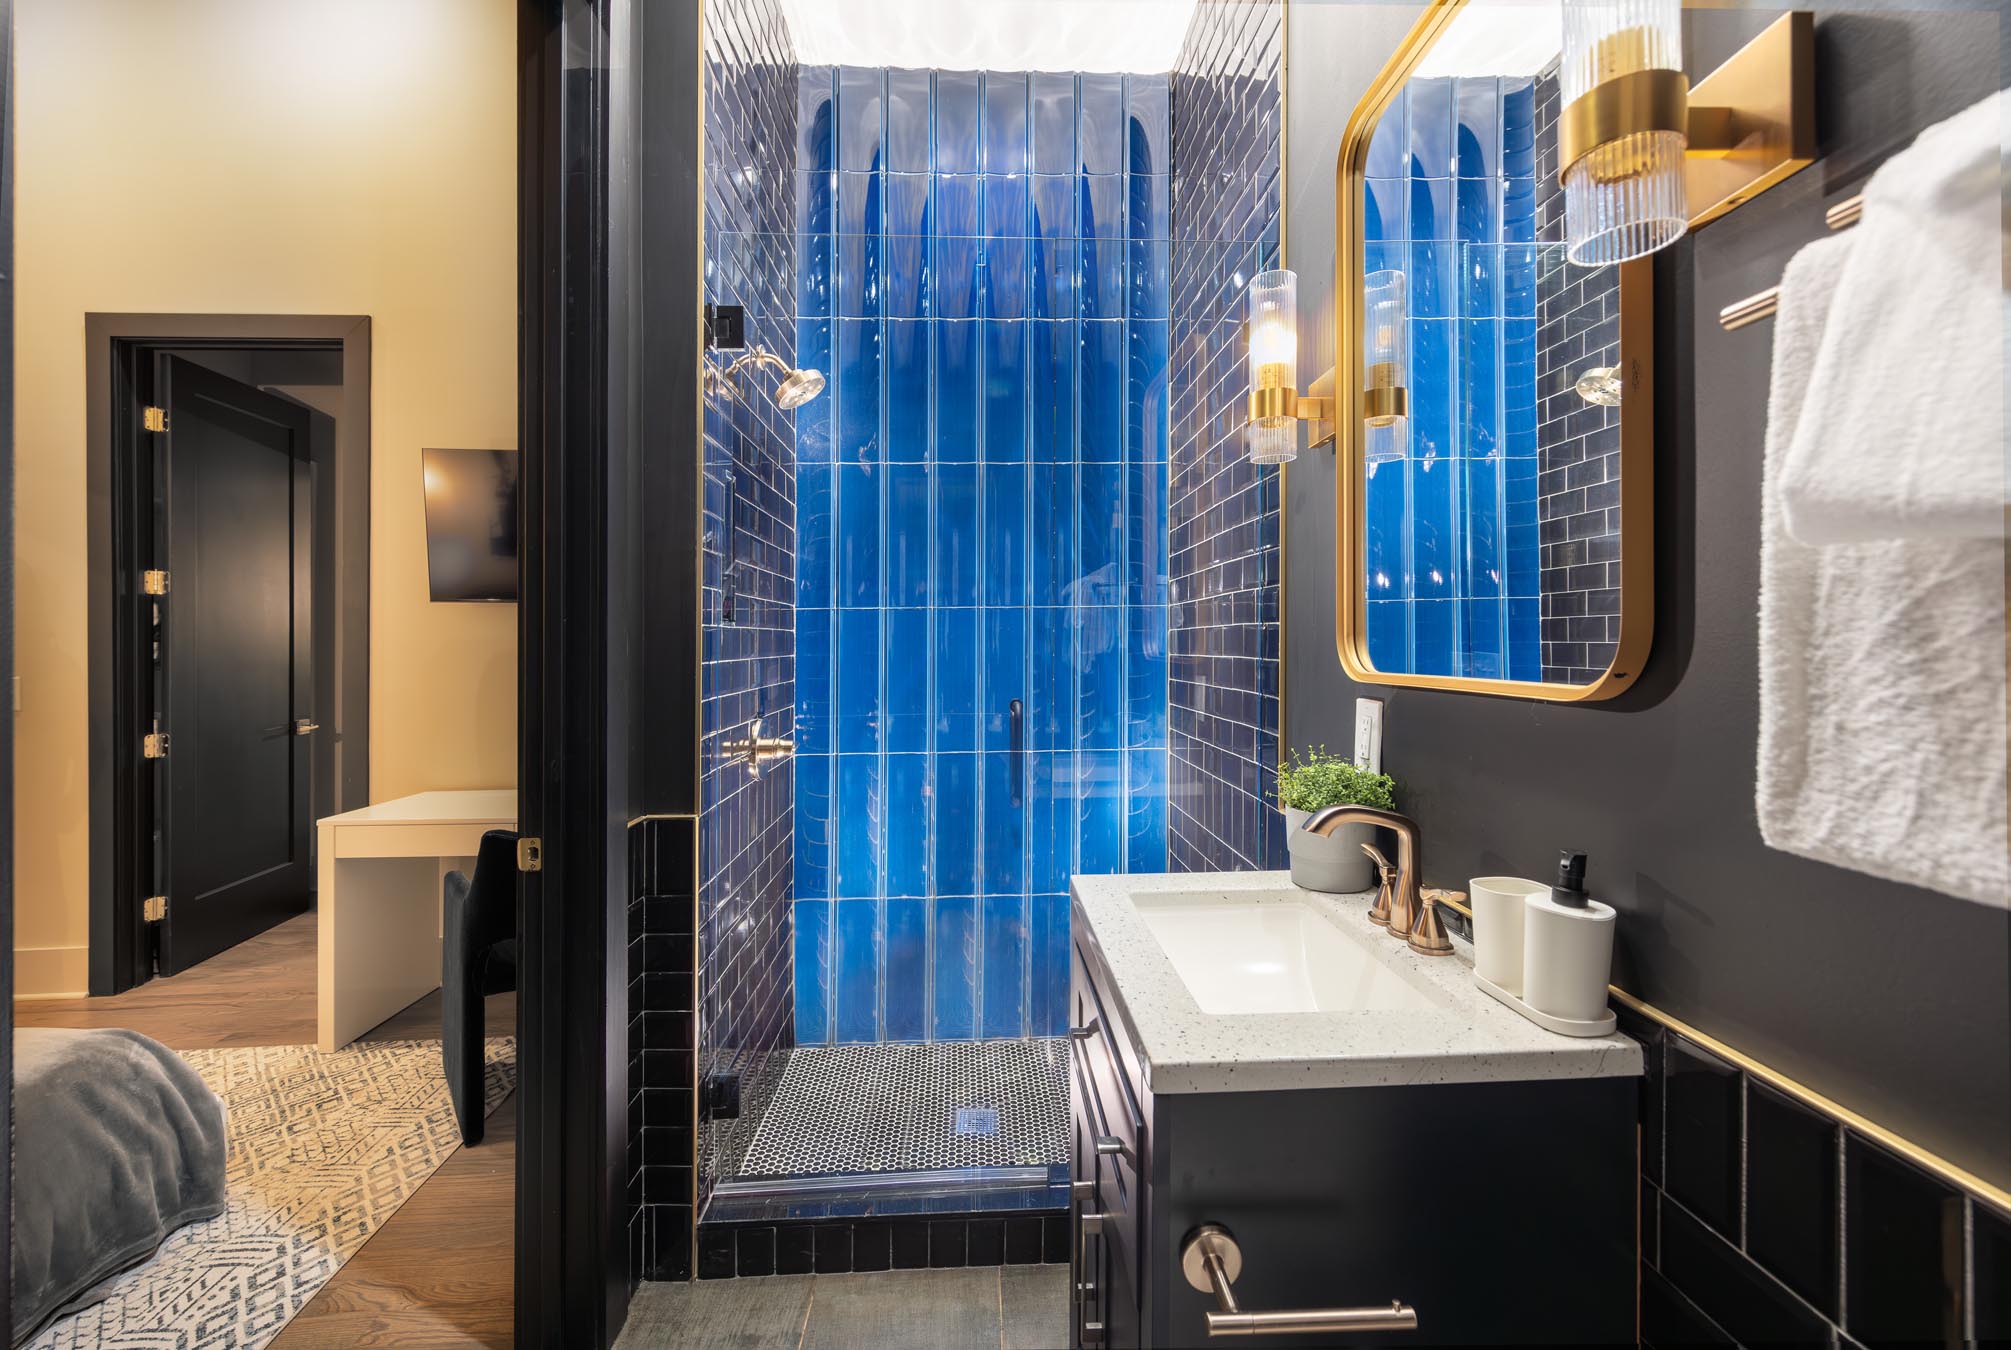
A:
(1497, 927)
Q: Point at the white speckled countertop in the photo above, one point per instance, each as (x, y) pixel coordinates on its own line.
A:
(1469, 1038)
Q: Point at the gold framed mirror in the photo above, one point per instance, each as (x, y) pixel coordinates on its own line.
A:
(1494, 445)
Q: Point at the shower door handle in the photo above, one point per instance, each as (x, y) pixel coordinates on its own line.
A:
(1016, 717)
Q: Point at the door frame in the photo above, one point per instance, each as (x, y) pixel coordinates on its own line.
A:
(117, 378)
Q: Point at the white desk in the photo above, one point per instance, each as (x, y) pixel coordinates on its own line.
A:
(378, 910)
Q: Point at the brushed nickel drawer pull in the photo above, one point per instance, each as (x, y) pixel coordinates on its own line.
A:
(1110, 1146)
(1082, 1033)
(1211, 1261)
(1092, 1224)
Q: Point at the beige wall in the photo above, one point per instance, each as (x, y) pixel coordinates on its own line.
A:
(263, 156)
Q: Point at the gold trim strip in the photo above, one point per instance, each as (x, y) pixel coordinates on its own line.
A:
(1958, 1177)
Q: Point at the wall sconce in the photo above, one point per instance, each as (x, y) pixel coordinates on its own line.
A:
(1385, 367)
(1642, 155)
(1276, 405)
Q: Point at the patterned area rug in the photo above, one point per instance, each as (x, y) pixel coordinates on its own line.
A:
(323, 1149)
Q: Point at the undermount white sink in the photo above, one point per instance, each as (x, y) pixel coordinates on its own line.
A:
(1271, 952)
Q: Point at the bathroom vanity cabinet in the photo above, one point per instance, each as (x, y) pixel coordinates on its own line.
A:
(1502, 1212)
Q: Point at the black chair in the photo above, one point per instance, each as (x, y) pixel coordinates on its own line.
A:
(478, 957)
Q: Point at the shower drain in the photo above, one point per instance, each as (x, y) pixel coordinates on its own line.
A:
(915, 1108)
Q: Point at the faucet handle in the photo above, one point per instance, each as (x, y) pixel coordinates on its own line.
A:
(1427, 935)
(1386, 875)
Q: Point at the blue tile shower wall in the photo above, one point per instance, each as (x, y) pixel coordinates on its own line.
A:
(1451, 202)
(1223, 512)
(749, 566)
(982, 509)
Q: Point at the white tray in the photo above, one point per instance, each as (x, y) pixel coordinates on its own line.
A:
(1563, 1026)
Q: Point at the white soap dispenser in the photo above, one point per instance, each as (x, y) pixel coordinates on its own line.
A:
(1567, 946)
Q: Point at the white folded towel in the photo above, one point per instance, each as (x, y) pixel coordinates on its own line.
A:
(1902, 435)
(1882, 697)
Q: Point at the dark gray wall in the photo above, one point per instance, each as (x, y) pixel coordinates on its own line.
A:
(1892, 1000)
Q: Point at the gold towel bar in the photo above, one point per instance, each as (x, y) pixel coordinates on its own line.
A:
(1756, 307)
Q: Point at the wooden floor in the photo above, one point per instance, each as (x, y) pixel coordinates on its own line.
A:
(439, 1272)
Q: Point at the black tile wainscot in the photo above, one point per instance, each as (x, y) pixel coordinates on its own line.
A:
(840, 1246)
(662, 914)
(1767, 1222)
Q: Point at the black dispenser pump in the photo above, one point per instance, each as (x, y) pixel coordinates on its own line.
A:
(1570, 888)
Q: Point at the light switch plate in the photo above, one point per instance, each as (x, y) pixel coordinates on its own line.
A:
(1369, 734)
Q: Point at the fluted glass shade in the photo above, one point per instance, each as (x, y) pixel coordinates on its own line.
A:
(1385, 366)
(1273, 313)
(1626, 197)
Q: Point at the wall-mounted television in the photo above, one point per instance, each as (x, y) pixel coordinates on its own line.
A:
(471, 524)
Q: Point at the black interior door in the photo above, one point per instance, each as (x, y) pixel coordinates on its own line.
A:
(233, 666)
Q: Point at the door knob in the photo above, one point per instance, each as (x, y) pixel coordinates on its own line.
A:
(303, 727)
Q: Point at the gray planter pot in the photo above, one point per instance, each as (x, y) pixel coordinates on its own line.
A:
(1335, 864)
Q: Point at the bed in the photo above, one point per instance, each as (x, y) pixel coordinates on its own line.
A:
(117, 1143)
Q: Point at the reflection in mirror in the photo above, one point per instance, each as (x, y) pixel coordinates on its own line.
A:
(1491, 447)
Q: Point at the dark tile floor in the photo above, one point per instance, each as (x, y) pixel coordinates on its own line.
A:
(1006, 1308)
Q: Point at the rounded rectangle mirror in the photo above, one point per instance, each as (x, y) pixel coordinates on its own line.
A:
(1495, 398)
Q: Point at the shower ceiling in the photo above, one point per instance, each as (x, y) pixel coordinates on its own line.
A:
(1138, 36)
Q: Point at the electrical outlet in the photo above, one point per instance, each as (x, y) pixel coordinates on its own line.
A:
(1369, 734)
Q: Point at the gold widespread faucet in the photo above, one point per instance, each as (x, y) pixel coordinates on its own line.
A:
(1413, 919)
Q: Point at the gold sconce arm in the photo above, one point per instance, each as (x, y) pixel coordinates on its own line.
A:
(1273, 397)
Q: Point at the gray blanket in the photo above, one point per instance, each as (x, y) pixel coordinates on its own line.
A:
(117, 1143)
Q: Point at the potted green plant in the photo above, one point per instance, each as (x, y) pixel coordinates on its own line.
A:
(1311, 782)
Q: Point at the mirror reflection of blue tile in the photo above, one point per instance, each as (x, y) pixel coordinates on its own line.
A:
(1451, 200)
(981, 626)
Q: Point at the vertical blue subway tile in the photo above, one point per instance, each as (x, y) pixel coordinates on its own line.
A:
(1480, 388)
(816, 118)
(958, 652)
(1145, 810)
(907, 544)
(1430, 209)
(1434, 540)
(1101, 429)
(858, 368)
(1148, 124)
(957, 198)
(1389, 148)
(1386, 508)
(1004, 1001)
(1051, 819)
(904, 638)
(1100, 214)
(855, 1003)
(1145, 676)
(813, 275)
(1003, 866)
(815, 512)
(1525, 645)
(814, 419)
(812, 851)
(1100, 105)
(908, 121)
(905, 290)
(953, 840)
(1005, 206)
(1477, 114)
(1053, 563)
(1433, 286)
(813, 971)
(1149, 277)
(956, 359)
(1145, 533)
(908, 824)
(1389, 636)
(906, 204)
(856, 825)
(1005, 122)
(1482, 640)
(816, 202)
(1477, 210)
(1430, 115)
(1148, 215)
(1048, 961)
(1432, 636)
(1479, 283)
(953, 276)
(1003, 278)
(906, 1014)
(1050, 697)
(815, 703)
(907, 362)
(858, 540)
(1051, 370)
(860, 214)
(954, 1014)
(1099, 812)
(1005, 515)
(860, 100)
(1052, 206)
(1383, 215)
(1433, 379)
(1051, 278)
(1005, 390)
(957, 121)
(1004, 672)
(1053, 123)
(1100, 690)
(1099, 535)
(1486, 555)
(958, 545)
(858, 679)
